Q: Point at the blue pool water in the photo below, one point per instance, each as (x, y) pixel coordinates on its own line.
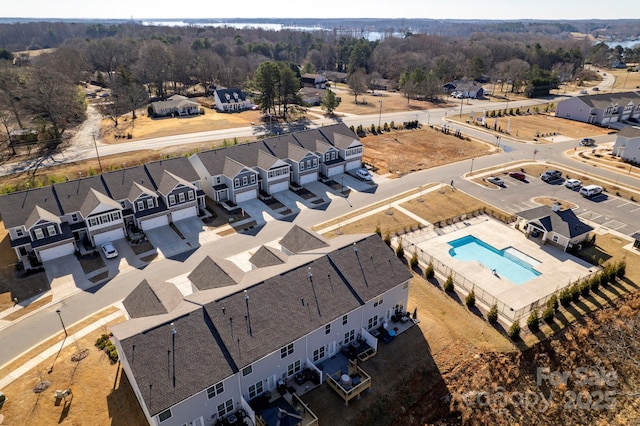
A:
(508, 263)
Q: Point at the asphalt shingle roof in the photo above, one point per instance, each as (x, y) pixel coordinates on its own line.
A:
(562, 222)
(299, 239)
(17, 206)
(120, 182)
(152, 298)
(72, 195)
(216, 273)
(603, 100)
(179, 166)
(267, 256)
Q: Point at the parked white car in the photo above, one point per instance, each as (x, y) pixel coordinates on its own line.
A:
(572, 183)
(590, 190)
(109, 250)
(363, 174)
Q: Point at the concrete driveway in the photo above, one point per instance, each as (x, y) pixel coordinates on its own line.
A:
(258, 210)
(168, 242)
(66, 276)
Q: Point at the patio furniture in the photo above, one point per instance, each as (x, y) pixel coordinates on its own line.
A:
(300, 378)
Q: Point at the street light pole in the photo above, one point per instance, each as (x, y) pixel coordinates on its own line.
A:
(62, 322)
(380, 113)
(471, 171)
(95, 144)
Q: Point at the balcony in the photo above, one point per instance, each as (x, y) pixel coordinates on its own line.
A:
(349, 386)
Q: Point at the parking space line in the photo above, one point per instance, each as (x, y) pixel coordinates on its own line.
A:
(635, 210)
(614, 224)
(622, 205)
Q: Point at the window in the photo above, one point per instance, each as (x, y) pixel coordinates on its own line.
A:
(301, 166)
(150, 203)
(172, 199)
(253, 178)
(308, 164)
(377, 301)
(165, 415)
(225, 408)
(327, 329)
(349, 336)
(140, 205)
(51, 230)
(315, 162)
(19, 232)
(247, 370)
(405, 285)
(318, 354)
(255, 390)
(181, 197)
(293, 368)
(373, 322)
(555, 239)
(93, 221)
(236, 182)
(286, 350)
(191, 195)
(214, 390)
(74, 217)
(345, 319)
(245, 180)
(39, 233)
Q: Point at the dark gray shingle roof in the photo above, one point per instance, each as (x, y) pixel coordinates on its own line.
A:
(17, 206)
(299, 239)
(562, 222)
(267, 256)
(217, 273)
(152, 298)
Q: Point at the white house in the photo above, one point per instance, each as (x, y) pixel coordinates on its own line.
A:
(231, 100)
(175, 105)
(602, 109)
(627, 145)
(207, 356)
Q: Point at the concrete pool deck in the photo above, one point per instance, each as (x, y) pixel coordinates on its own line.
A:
(557, 268)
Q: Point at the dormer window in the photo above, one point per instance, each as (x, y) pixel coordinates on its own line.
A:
(226, 95)
(181, 197)
(38, 233)
(172, 199)
(150, 203)
(191, 195)
(51, 230)
(140, 204)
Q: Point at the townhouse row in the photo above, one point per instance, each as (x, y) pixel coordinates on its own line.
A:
(50, 222)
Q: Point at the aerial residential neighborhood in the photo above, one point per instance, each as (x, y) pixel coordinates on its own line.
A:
(319, 221)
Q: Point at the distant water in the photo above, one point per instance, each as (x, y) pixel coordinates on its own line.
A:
(624, 44)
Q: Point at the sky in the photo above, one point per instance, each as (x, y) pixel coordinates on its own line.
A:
(434, 9)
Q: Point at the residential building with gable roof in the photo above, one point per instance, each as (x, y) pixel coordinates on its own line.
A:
(602, 109)
(235, 339)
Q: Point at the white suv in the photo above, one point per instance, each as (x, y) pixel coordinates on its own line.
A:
(363, 174)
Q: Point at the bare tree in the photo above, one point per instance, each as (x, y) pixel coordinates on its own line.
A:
(357, 82)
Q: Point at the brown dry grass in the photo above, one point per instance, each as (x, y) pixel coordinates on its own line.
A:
(405, 151)
(445, 204)
(29, 308)
(528, 127)
(101, 394)
(391, 220)
(625, 81)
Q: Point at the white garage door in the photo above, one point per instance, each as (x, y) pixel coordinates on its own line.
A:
(312, 177)
(279, 187)
(112, 235)
(56, 252)
(183, 214)
(154, 222)
(353, 165)
(335, 170)
(245, 196)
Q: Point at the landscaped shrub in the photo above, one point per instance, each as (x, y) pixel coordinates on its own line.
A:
(553, 302)
(400, 250)
(378, 231)
(448, 284)
(387, 238)
(575, 292)
(104, 344)
(585, 288)
(514, 331)
(413, 262)
(470, 300)
(565, 297)
(594, 283)
(548, 314)
(621, 269)
(492, 315)
(533, 322)
(429, 272)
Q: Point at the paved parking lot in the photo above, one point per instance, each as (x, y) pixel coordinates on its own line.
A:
(606, 210)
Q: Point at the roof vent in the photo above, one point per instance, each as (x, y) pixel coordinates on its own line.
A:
(555, 207)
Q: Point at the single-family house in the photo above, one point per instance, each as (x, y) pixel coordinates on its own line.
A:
(627, 145)
(231, 100)
(602, 109)
(209, 357)
(311, 96)
(317, 81)
(335, 76)
(176, 105)
(560, 228)
(467, 89)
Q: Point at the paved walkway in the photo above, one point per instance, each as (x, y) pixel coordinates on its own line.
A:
(46, 354)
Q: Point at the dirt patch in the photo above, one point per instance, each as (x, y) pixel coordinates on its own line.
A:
(142, 248)
(441, 205)
(100, 392)
(91, 262)
(534, 126)
(404, 151)
(549, 202)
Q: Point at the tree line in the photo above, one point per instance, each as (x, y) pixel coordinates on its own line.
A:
(141, 63)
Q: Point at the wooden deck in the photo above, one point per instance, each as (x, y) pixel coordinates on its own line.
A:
(349, 391)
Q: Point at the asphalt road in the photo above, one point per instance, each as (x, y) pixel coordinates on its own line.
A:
(22, 335)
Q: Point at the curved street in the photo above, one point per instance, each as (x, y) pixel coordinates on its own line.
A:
(19, 336)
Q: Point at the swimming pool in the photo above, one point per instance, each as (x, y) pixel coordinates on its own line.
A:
(509, 263)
